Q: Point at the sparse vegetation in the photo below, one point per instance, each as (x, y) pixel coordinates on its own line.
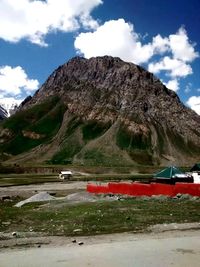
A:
(30, 178)
(20, 144)
(69, 148)
(44, 119)
(137, 146)
(22, 120)
(97, 218)
(141, 157)
(129, 141)
(95, 157)
(26, 179)
(72, 126)
(93, 130)
(65, 155)
(50, 123)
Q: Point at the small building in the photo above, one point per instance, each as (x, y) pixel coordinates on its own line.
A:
(65, 175)
(172, 175)
(195, 171)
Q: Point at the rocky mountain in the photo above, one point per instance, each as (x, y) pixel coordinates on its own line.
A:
(3, 113)
(103, 111)
(10, 106)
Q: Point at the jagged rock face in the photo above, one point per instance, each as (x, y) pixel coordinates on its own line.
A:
(25, 101)
(108, 84)
(133, 112)
(99, 83)
(3, 114)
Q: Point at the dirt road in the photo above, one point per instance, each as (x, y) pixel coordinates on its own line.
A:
(28, 190)
(174, 249)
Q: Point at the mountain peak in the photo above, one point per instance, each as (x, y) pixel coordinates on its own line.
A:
(114, 111)
(111, 83)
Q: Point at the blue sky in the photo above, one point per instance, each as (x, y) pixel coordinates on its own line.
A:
(38, 36)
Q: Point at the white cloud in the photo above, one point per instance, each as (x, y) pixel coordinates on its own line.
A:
(181, 47)
(33, 19)
(14, 80)
(182, 52)
(114, 38)
(160, 45)
(175, 67)
(172, 84)
(118, 38)
(194, 103)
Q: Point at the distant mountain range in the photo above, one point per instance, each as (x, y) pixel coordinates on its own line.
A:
(10, 107)
(102, 111)
(3, 113)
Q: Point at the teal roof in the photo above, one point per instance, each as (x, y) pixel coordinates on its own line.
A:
(168, 172)
(196, 167)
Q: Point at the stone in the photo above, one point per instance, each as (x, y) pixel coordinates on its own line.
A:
(77, 230)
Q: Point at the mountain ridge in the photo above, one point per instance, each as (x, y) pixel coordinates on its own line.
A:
(114, 112)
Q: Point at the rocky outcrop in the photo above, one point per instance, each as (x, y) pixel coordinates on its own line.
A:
(5, 134)
(32, 135)
(25, 101)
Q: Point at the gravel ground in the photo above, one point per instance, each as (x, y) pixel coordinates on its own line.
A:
(175, 249)
(40, 197)
(69, 199)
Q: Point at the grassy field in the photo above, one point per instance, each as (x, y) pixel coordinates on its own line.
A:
(26, 179)
(102, 217)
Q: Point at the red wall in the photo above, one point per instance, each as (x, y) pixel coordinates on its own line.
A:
(97, 189)
(162, 189)
(139, 189)
(184, 188)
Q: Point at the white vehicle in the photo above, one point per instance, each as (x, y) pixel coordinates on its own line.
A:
(65, 175)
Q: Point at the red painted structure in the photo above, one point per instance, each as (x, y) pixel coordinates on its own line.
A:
(139, 189)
